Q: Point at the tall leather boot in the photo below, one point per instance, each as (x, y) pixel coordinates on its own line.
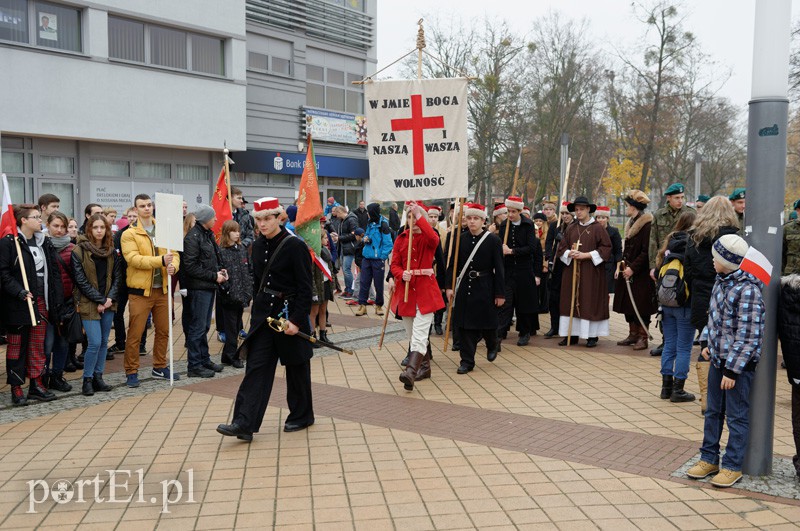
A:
(702, 378)
(678, 394)
(633, 335)
(410, 373)
(323, 335)
(666, 387)
(425, 367)
(641, 341)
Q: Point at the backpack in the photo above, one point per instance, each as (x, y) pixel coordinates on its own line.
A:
(671, 289)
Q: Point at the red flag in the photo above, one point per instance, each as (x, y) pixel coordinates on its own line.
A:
(220, 203)
(309, 206)
(8, 224)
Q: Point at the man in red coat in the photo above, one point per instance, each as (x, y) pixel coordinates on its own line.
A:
(424, 296)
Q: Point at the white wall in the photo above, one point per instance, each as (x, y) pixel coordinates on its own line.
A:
(87, 97)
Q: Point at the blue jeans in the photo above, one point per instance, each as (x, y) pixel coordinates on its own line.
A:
(678, 333)
(94, 359)
(55, 350)
(372, 272)
(200, 303)
(733, 404)
(347, 265)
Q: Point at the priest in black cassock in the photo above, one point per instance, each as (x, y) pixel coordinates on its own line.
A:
(590, 317)
(479, 288)
(522, 256)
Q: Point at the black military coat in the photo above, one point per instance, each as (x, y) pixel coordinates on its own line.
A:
(525, 263)
(474, 307)
(289, 280)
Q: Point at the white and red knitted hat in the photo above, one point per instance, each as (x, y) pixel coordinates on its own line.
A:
(526, 212)
(603, 211)
(266, 206)
(500, 209)
(474, 209)
(514, 201)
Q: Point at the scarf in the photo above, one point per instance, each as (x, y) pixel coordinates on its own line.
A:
(98, 252)
(60, 242)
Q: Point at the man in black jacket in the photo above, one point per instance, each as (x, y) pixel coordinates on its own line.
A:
(556, 267)
(25, 352)
(394, 220)
(282, 288)
(202, 273)
(362, 215)
(347, 246)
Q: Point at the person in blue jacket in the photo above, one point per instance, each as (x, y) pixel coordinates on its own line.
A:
(377, 246)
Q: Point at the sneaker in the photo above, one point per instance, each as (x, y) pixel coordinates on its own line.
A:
(216, 367)
(163, 374)
(202, 372)
(114, 349)
(702, 470)
(109, 356)
(221, 337)
(352, 302)
(370, 302)
(142, 350)
(242, 334)
(347, 295)
(132, 380)
(726, 478)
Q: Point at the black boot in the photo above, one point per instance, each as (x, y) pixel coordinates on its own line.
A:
(666, 387)
(404, 363)
(572, 341)
(523, 340)
(657, 351)
(550, 333)
(314, 344)
(39, 392)
(678, 394)
(87, 389)
(98, 384)
(323, 335)
(58, 382)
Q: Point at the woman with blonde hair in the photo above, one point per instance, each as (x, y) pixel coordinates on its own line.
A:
(717, 218)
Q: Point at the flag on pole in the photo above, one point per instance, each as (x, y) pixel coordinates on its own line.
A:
(8, 224)
(220, 203)
(321, 264)
(757, 265)
(309, 205)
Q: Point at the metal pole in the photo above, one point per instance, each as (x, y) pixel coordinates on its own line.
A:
(766, 175)
(564, 157)
(698, 162)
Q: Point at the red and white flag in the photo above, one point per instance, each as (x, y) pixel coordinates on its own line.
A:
(757, 265)
(8, 224)
(320, 263)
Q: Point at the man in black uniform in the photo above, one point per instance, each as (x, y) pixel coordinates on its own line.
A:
(554, 235)
(523, 272)
(282, 288)
(479, 284)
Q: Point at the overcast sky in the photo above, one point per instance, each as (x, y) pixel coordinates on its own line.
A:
(723, 28)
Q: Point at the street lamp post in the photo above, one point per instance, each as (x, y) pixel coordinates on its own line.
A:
(766, 175)
(698, 162)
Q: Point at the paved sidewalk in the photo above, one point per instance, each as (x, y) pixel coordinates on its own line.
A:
(543, 438)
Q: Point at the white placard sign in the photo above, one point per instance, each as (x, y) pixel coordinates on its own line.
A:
(417, 138)
(169, 221)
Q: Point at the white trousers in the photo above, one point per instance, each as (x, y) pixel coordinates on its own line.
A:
(417, 330)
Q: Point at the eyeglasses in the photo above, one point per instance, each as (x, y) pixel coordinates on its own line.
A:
(32, 217)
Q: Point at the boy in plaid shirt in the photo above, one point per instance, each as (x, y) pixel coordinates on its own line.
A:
(732, 342)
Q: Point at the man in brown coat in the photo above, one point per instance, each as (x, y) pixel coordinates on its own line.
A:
(635, 272)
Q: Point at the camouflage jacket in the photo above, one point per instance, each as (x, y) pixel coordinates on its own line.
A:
(664, 221)
(791, 248)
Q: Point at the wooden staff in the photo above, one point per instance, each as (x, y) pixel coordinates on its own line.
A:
(575, 247)
(25, 279)
(386, 317)
(457, 233)
(513, 192)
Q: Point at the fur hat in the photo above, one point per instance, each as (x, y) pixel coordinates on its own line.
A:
(638, 199)
(474, 209)
(514, 201)
(564, 207)
(540, 216)
(265, 206)
(602, 211)
(500, 209)
(204, 214)
(729, 250)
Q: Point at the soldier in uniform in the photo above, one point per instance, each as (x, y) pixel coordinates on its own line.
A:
(701, 201)
(737, 199)
(523, 272)
(664, 221)
(282, 288)
(479, 285)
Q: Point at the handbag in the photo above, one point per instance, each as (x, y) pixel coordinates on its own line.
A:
(71, 327)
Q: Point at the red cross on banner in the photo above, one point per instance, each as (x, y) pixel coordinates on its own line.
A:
(417, 125)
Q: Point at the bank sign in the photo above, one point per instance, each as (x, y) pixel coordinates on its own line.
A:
(255, 161)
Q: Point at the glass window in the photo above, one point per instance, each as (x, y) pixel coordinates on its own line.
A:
(335, 181)
(16, 186)
(354, 197)
(109, 168)
(315, 73)
(281, 66)
(15, 142)
(352, 78)
(260, 178)
(276, 178)
(208, 55)
(315, 95)
(353, 182)
(58, 26)
(125, 39)
(189, 172)
(354, 103)
(335, 99)
(14, 20)
(167, 47)
(152, 170)
(335, 77)
(63, 165)
(337, 194)
(13, 162)
(257, 61)
(64, 191)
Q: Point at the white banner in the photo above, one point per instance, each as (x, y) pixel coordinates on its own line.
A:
(169, 220)
(417, 138)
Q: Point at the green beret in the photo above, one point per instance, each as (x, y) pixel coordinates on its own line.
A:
(737, 194)
(793, 216)
(796, 204)
(673, 189)
(703, 198)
